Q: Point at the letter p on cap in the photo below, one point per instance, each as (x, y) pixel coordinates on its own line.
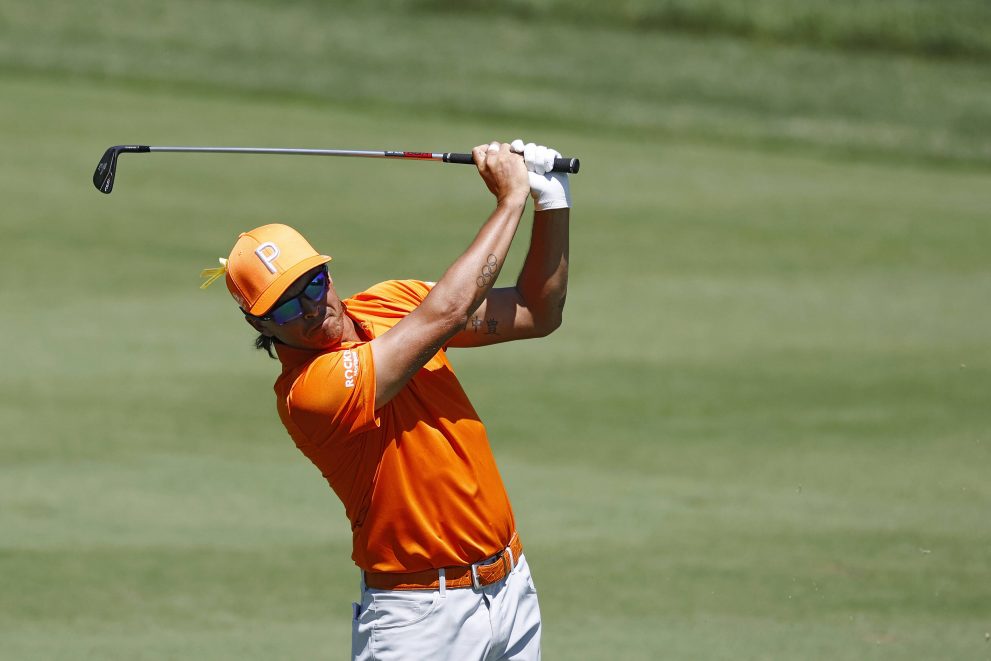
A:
(268, 252)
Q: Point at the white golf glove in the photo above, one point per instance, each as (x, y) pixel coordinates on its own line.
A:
(549, 190)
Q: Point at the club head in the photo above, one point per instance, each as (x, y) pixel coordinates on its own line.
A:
(106, 170)
(103, 177)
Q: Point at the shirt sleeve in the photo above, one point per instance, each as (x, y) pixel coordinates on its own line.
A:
(335, 395)
(395, 297)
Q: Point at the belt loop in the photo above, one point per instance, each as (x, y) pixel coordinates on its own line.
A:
(442, 576)
(361, 573)
(512, 560)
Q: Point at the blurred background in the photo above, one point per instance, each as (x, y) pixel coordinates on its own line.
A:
(761, 433)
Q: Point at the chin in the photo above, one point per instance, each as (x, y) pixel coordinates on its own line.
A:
(325, 337)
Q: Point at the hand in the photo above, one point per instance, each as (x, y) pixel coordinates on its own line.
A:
(549, 190)
(503, 172)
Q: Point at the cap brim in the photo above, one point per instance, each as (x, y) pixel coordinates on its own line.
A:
(282, 283)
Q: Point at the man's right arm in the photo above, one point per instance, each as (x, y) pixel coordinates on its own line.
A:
(400, 352)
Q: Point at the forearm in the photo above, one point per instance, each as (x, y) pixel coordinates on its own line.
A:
(543, 280)
(405, 348)
(468, 280)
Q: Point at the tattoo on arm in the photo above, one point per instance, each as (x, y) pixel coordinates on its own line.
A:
(488, 270)
(491, 326)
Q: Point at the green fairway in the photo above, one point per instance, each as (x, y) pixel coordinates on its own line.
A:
(761, 433)
(608, 80)
(952, 28)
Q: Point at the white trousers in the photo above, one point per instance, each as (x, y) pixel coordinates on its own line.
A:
(500, 622)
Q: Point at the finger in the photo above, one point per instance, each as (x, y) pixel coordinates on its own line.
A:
(516, 146)
(540, 159)
(493, 147)
(549, 159)
(478, 155)
(528, 151)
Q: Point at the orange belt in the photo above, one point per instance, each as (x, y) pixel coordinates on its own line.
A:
(486, 572)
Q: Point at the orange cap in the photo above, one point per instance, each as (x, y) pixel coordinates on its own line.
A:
(265, 262)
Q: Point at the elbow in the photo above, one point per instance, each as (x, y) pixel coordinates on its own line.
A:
(546, 329)
(550, 318)
(549, 323)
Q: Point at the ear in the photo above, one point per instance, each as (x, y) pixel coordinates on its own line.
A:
(258, 325)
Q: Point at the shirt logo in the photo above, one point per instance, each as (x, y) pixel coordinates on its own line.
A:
(350, 363)
(267, 252)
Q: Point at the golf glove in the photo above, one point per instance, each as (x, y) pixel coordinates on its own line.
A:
(549, 190)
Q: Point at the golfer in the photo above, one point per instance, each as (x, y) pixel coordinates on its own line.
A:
(368, 395)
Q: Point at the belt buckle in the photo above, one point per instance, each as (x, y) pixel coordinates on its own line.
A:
(507, 564)
(475, 581)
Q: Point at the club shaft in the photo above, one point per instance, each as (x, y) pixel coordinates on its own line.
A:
(304, 152)
(561, 164)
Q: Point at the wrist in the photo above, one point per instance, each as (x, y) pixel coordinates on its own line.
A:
(513, 200)
(560, 215)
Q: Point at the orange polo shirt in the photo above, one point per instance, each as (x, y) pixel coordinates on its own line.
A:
(417, 477)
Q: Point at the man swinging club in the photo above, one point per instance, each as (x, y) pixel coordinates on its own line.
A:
(368, 395)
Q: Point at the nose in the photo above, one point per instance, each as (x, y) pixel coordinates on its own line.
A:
(310, 308)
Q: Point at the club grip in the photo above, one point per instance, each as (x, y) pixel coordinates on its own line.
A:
(562, 164)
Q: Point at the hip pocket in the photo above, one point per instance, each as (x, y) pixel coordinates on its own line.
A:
(394, 609)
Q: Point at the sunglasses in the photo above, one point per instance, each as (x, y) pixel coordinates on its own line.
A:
(293, 308)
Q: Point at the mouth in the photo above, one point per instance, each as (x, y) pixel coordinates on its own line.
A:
(312, 330)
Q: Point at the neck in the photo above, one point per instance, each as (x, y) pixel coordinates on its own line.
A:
(351, 331)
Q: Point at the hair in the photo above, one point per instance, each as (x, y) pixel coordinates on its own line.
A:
(264, 343)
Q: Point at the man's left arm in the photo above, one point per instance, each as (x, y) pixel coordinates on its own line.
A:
(534, 307)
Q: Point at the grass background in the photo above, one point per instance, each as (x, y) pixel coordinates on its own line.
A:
(762, 432)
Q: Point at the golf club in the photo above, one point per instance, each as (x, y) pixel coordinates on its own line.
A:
(103, 177)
